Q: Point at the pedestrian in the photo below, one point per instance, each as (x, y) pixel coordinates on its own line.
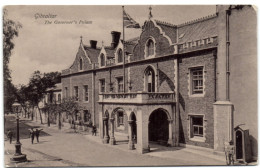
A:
(10, 135)
(229, 152)
(32, 134)
(37, 134)
(94, 130)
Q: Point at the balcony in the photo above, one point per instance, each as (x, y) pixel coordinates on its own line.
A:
(137, 98)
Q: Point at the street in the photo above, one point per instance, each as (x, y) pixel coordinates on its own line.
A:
(66, 148)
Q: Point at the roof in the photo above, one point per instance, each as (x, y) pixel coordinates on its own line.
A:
(168, 28)
(198, 29)
(92, 53)
(110, 52)
(57, 87)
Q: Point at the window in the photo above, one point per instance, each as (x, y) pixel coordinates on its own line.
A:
(66, 92)
(86, 93)
(120, 56)
(120, 84)
(76, 93)
(87, 116)
(102, 60)
(77, 116)
(196, 80)
(150, 47)
(150, 80)
(59, 98)
(80, 64)
(120, 115)
(102, 85)
(196, 126)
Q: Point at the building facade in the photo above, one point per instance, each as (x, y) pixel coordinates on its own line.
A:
(176, 84)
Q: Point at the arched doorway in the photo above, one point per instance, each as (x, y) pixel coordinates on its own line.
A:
(239, 145)
(158, 126)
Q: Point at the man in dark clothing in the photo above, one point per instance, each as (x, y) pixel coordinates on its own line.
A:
(32, 133)
(37, 133)
(94, 130)
(10, 135)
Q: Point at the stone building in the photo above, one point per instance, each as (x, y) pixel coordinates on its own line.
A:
(180, 84)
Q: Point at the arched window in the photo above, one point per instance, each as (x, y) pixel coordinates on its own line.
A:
(120, 56)
(80, 64)
(102, 60)
(150, 47)
(150, 80)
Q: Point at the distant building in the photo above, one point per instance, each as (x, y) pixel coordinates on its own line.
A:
(181, 84)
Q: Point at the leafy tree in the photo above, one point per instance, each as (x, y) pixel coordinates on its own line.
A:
(10, 31)
(70, 107)
(38, 85)
(23, 96)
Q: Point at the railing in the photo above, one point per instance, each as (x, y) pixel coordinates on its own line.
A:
(137, 98)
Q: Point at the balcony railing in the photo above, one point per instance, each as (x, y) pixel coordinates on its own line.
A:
(137, 98)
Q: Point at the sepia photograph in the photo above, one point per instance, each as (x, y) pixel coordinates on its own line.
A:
(130, 85)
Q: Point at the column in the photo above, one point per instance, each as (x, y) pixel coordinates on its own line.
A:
(113, 139)
(106, 138)
(131, 144)
(170, 140)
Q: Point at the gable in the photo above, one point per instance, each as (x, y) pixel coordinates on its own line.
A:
(86, 62)
(163, 43)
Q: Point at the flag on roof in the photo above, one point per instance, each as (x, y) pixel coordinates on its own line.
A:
(129, 22)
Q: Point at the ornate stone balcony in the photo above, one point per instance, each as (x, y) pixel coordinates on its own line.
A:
(137, 98)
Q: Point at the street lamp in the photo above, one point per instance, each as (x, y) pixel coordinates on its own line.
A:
(18, 156)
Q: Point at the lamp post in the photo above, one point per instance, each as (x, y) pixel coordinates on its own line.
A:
(18, 156)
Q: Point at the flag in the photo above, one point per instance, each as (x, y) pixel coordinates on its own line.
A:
(129, 22)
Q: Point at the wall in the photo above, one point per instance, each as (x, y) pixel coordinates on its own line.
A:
(197, 105)
(243, 70)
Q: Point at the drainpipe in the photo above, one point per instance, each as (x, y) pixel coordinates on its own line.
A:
(157, 76)
(228, 13)
(177, 103)
(215, 74)
(93, 95)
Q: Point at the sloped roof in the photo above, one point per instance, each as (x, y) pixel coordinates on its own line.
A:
(57, 87)
(92, 53)
(168, 28)
(110, 52)
(198, 29)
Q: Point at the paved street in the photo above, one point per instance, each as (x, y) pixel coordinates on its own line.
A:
(66, 148)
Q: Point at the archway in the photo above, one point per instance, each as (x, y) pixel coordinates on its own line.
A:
(159, 126)
(239, 145)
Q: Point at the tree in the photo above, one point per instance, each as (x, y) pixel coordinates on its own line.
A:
(10, 31)
(23, 96)
(38, 85)
(70, 107)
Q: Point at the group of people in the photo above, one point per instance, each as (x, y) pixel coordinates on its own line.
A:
(33, 133)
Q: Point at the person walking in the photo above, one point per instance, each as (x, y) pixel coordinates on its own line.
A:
(37, 134)
(10, 135)
(32, 134)
(94, 130)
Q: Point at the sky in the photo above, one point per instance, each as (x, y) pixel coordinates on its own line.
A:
(53, 47)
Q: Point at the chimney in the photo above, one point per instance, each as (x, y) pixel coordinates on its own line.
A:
(115, 38)
(93, 44)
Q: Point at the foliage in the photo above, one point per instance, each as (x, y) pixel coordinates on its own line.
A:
(10, 31)
(70, 106)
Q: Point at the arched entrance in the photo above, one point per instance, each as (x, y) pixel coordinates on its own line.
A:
(158, 126)
(239, 145)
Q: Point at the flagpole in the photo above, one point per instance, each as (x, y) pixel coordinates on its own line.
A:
(123, 49)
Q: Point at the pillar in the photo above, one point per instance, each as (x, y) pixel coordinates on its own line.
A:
(113, 139)
(106, 138)
(142, 133)
(223, 124)
(170, 140)
(131, 144)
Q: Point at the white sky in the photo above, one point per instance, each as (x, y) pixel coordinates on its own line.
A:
(53, 47)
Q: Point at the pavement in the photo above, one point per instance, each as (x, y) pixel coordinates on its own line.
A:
(67, 148)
